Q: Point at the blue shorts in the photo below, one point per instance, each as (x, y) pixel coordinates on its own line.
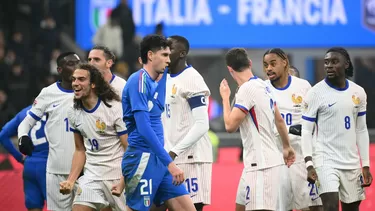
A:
(147, 180)
(34, 182)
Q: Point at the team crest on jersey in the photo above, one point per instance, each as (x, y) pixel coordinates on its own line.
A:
(297, 100)
(146, 201)
(174, 90)
(356, 100)
(368, 14)
(100, 125)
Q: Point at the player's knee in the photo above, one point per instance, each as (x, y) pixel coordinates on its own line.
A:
(199, 206)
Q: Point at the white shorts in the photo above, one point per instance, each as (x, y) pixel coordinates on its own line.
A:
(295, 192)
(198, 178)
(346, 182)
(258, 190)
(97, 194)
(55, 200)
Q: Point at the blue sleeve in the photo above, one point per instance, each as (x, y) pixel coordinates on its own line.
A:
(138, 94)
(143, 124)
(10, 130)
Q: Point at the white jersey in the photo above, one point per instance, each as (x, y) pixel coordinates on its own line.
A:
(290, 104)
(335, 111)
(118, 84)
(54, 101)
(178, 117)
(100, 128)
(260, 147)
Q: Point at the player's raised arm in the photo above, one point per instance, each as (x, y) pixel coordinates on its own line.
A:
(234, 117)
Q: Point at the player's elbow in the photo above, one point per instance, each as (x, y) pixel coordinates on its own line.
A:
(230, 128)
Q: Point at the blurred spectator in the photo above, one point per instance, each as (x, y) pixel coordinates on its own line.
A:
(18, 45)
(7, 111)
(52, 63)
(10, 57)
(2, 39)
(110, 35)
(4, 68)
(18, 85)
(159, 29)
(48, 38)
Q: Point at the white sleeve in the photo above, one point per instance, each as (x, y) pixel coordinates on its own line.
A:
(120, 126)
(200, 127)
(194, 87)
(34, 114)
(363, 139)
(245, 98)
(311, 107)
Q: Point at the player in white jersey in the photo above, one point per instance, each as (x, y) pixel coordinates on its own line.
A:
(255, 113)
(186, 123)
(100, 138)
(289, 92)
(103, 59)
(54, 101)
(338, 106)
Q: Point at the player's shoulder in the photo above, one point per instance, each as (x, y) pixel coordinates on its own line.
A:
(117, 80)
(355, 86)
(300, 82)
(73, 113)
(253, 84)
(319, 87)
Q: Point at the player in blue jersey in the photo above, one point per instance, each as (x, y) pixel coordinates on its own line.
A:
(34, 172)
(150, 174)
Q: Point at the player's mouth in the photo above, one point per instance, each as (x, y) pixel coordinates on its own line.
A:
(77, 91)
(331, 73)
(271, 75)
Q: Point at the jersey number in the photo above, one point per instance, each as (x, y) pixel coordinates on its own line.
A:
(168, 110)
(67, 128)
(94, 144)
(192, 185)
(247, 192)
(347, 122)
(37, 129)
(313, 191)
(288, 118)
(146, 184)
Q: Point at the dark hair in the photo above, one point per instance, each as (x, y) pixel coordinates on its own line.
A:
(182, 40)
(102, 88)
(108, 54)
(295, 69)
(280, 53)
(60, 59)
(152, 43)
(349, 72)
(237, 59)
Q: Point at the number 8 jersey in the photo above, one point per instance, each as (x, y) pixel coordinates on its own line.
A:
(290, 103)
(335, 111)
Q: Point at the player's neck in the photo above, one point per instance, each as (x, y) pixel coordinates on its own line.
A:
(243, 77)
(66, 85)
(179, 67)
(90, 101)
(282, 82)
(153, 74)
(337, 82)
(107, 75)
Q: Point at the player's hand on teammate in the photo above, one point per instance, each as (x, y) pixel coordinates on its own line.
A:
(25, 145)
(367, 177)
(66, 187)
(177, 174)
(118, 189)
(172, 155)
(289, 155)
(311, 175)
(224, 89)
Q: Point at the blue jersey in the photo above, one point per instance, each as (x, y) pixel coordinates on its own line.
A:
(36, 134)
(142, 93)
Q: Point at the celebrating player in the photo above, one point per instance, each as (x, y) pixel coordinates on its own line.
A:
(54, 101)
(289, 92)
(150, 174)
(255, 113)
(100, 135)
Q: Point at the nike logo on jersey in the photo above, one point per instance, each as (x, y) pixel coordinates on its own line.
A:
(55, 105)
(313, 199)
(330, 105)
(193, 195)
(78, 125)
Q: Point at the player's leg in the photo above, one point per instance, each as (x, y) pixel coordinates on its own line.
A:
(80, 207)
(198, 177)
(115, 202)
(241, 193)
(306, 196)
(328, 187)
(285, 195)
(89, 195)
(262, 189)
(55, 200)
(351, 191)
(34, 199)
(143, 174)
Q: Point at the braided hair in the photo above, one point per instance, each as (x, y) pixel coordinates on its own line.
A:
(349, 72)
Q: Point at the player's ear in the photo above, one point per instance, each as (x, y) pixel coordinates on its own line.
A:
(92, 86)
(150, 55)
(109, 63)
(59, 70)
(346, 64)
(182, 54)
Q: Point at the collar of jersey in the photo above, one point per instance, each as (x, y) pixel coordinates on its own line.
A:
(94, 109)
(113, 77)
(286, 86)
(338, 89)
(58, 83)
(174, 75)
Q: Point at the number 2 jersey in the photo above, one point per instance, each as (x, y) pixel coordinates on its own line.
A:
(335, 111)
(261, 151)
(290, 103)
